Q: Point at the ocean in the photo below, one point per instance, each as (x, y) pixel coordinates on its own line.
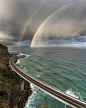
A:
(63, 68)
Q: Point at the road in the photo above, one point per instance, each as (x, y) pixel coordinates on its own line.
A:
(54, 92)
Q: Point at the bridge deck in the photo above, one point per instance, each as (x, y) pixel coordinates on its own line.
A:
(57, 94)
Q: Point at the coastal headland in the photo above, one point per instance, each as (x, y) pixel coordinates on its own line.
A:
(11, 95)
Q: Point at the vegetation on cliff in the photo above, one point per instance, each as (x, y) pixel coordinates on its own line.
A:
(10, 89)
(2, 46)
(11, 95)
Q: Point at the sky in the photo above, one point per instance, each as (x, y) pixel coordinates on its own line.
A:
(67, 23)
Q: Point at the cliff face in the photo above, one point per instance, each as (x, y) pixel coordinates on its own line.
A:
(3, 50)
(11, 95)
(17, 97)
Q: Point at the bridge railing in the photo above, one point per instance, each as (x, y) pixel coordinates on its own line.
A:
(83, 103)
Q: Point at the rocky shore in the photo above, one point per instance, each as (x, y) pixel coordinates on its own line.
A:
(11, 95)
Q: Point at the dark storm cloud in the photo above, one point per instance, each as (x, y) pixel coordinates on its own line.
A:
(69, 22)
(14, 14)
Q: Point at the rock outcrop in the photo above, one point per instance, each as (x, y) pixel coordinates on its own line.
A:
(3, 51)
(11, 93)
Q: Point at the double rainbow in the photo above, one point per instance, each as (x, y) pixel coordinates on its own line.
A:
(27, 24)
(32, 42)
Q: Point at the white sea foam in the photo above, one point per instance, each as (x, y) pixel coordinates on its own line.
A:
(14, 51)
(31, 96)
(24, 69)
(17, 61)
(74, 94)
(24, 54)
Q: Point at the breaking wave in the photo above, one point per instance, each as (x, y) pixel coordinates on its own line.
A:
(24, 54)
(18, 61)
(34, 92)
(74, 94)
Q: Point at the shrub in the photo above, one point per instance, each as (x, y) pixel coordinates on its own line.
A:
(7, 60)
(0, 102)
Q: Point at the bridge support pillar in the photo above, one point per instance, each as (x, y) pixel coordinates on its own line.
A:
(22, 84)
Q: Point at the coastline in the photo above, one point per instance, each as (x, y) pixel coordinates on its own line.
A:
(30, 85)
(31, 96)
(27, 87)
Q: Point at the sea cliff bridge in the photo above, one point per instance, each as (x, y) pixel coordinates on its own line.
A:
(57, 94)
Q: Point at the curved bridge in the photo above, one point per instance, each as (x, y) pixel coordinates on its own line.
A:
(57, 94)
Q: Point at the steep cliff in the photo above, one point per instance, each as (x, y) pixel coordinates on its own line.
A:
(11, 95)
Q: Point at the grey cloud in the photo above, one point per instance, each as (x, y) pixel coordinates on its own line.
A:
(69, 22)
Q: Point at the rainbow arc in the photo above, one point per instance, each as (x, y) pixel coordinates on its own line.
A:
(32, 42)
(26, 26)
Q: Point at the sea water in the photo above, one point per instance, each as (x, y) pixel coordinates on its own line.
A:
(63, 68)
